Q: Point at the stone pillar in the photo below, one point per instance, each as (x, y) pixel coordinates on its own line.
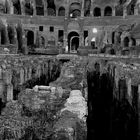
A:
(113, 11)
(6, 35)
(81, 39)
(124, 12)
(9, 92)
(102, 12)
(82, 10)
(24, 42)
(129, 91)
(22, 3)
(138, 136)
(34, 7)
(45, 8)
(136, 10)
(10, 6)
(57, 11)
(21, 76)
(67, 12)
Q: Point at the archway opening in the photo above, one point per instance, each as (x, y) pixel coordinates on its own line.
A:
(17, 7)
(51, 8)
(30, 38)
(97, 12)
(108, 11)
(61, 11)
(87, 8)
(126, 42)
(11, 35)
(28, 8)
(39, 8)
(73, 41)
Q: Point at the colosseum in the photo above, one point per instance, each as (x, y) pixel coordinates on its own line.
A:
(69, 69)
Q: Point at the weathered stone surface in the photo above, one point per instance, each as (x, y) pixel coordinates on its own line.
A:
(76, 104)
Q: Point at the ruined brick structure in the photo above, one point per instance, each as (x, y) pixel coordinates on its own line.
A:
(67, 64)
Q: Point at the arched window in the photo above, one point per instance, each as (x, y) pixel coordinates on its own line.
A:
(108, 11)
(28, 8)
(119, 10)
(17, 7)
(126, 42)
(39, 7)
(51, 8)
(75, 10)
(61, 11)
(97, 12)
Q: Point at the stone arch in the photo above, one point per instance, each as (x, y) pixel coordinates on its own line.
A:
(126, 42)
(75, 10)
(51, 8)
(17, 7)
(39, 7)
(61, 11)
(28, 8)
(11, 34)
(97, 12)
(108, 11)
(73, 40)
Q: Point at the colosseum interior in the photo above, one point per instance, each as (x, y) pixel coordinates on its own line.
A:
(69, 69)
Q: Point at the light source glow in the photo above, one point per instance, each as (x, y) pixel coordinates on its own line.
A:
(93, 39)
(94, 30)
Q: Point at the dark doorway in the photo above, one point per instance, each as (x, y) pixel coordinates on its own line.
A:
(30, 38)
(73, 41)
(126, 42)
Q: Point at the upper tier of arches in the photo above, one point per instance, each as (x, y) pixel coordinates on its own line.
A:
(74, 9)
